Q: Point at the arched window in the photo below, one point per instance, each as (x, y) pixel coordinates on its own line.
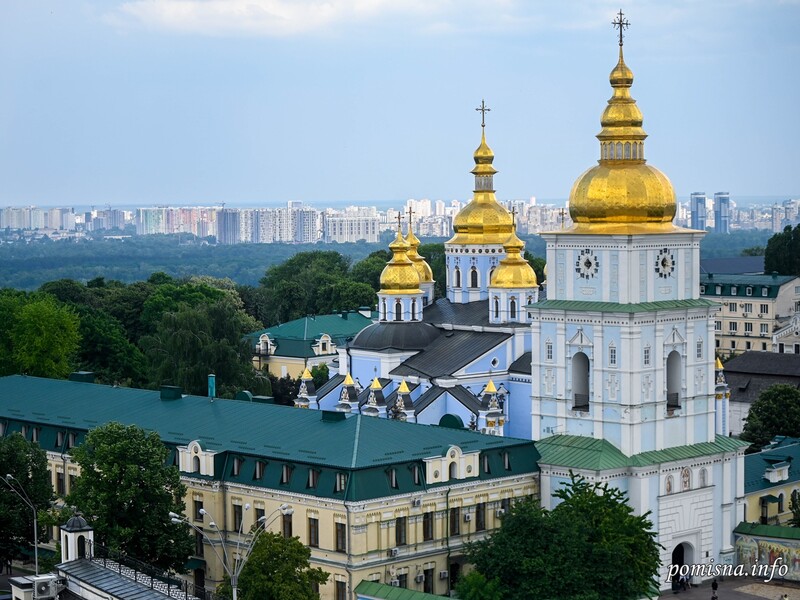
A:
(703, 478)
(605, 151)
(496, 308)
(780, 503)
(669, 486)
(548, 350)
(635, 150)
(457, 278)
(580, 381)
(398, 310)
(414, 310)
(195, 464)
(453, 470)
(81, 546)
(619, 150)
(473, 277)
(673, 380)
(512, 309)
(627, 149)
(612, 355)
(383, 310)
(699, 348)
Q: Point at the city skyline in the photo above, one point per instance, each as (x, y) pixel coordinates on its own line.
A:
(371, 102)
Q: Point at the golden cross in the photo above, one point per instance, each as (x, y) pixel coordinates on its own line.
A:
(483, 109)
(620, 23)
(563, 210)
(411, 211)
(513, 216)
(399, 221)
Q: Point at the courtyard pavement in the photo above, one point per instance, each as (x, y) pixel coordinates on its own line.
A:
(738, 588)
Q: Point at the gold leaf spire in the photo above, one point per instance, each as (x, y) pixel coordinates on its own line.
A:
(403, 388)
(483, 220)
(622, 194)
(514, 271)
(306, 374)
(376, 385)
(348, 380)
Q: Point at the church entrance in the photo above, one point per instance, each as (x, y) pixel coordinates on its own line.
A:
(683, 554)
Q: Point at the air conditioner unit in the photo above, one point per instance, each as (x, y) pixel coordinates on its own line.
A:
(499, 512)
(467, 518)
(442, 574)
(393, 551)
(45, 587)
(394, 582)
(416, 502)
(419, 578)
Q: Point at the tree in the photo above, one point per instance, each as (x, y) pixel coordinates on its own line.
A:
(320, 374)
(794, 506)
(277, 569)
(754, 251)
(126, 490)
(590, 547)
(194, 341)
(782, 254)
(27, 463)
(474, 586)
(38, 336)
(369, 269)
(775, 412)
(107, 352)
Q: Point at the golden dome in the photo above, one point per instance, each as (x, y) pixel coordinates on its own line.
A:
(399, 276)
(622, 193)
(422, 267)
(513, 271)
(483, 220)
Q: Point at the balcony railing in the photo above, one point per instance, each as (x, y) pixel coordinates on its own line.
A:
(673, 401)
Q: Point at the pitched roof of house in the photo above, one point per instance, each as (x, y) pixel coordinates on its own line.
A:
(373, 590)
(521, 365)
(738, 265)
(782, 450)
(295, 338)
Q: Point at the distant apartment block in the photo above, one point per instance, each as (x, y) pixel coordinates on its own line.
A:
(697, 209)
(722, 212)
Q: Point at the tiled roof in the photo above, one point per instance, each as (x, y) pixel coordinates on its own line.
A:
(460, 393)
(443, 311)
(373, 590)
(773, 284)
(782, 450)
(329, 386)
(581, 452)
(449, 353)
(614, 307)
(738, 265)
(765, 363)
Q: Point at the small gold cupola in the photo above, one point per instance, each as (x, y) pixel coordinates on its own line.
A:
(514, 271)
(483, 220)
(622, 193)
(400, 276)
(422, 267)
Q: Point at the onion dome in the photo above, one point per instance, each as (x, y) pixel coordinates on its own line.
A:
(400, 276)
(422, 267)
(483, 220)
(622, 193)
(514, 271)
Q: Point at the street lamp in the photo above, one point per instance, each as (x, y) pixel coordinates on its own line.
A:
(234, 568)
(23, 495)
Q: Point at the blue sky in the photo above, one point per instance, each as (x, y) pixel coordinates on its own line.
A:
(140, 102)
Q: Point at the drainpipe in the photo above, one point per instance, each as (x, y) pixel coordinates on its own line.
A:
(349, 547)
(447, 535)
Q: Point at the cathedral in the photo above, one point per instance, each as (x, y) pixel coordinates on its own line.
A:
(608, 365)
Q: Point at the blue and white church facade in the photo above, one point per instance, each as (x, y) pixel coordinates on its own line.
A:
(612, 370)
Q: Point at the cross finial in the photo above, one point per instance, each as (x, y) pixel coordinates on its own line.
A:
(513, 216)
(411, 211)
(620, 23)
(483, 109)
(399, 221)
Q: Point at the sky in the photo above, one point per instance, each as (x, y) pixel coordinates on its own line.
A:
(142, 102)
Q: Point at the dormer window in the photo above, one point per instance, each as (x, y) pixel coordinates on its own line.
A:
(733, 290)
(777, 471)
(313, 479)
(286, 474)
(341, 482)
(392, 475)
(237, 467)
(258, 471)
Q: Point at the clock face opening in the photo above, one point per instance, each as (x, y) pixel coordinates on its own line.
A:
(587, 264)
(665, 263)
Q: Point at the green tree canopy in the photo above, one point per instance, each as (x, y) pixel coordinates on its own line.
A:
(27, 463)
(38, 336)
(775, 412)
(194, 341)
(126, 490)
(590, 547)
(106, 351)
(277, 569)
(782, 254)
(369, 269)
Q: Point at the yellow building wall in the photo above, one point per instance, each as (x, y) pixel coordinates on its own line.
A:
(776, 516)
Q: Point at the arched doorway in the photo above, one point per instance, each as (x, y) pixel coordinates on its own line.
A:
(682, 554)
(673, 380)
(580, 381)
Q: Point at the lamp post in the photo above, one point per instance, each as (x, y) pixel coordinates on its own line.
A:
(23, 495)
(234, 568)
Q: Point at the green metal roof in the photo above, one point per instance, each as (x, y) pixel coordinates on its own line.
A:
(310, 328)
(594, 454)
(273, 434)
(773, 284)
(587, 306)
(781, 451)
(372, 590)
(773, 531)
